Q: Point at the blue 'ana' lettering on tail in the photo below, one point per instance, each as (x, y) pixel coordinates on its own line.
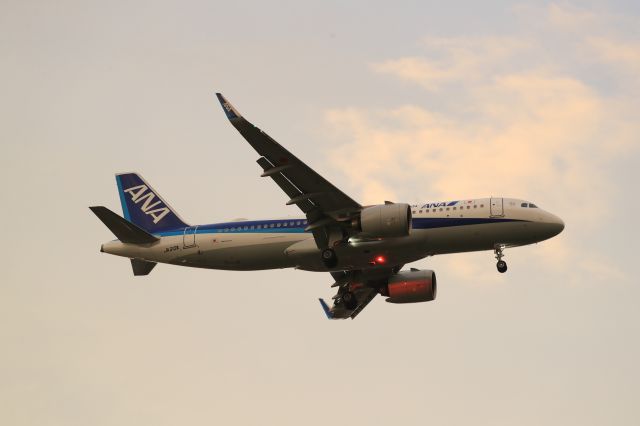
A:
(142, 205)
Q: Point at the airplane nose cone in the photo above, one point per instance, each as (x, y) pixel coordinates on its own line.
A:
(557, 224)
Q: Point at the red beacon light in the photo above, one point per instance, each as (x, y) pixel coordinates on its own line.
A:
(380, 260)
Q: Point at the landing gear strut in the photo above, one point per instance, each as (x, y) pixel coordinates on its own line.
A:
(329, 258)
(501, 265)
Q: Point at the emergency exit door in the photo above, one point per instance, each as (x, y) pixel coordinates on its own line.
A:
(497, 207)
(189, 239)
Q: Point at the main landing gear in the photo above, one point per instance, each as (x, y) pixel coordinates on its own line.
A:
(349, 300)
(501, 265)
(329, 258)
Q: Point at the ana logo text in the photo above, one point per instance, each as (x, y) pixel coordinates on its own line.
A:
(442, 204)
(142, 194)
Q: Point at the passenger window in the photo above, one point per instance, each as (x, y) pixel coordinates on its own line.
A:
(434, 210)
(468, 207)
(246, 227)
(455, 208)
(440, 208)
(475, 207)
(253, 227)
(271, 226)
(279, 225)
(481, 205)
(420, 211)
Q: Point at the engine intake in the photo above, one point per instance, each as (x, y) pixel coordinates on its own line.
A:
(412, 286)
(385, 220)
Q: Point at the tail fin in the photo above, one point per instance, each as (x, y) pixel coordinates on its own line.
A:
(126, 231)
(143, 206)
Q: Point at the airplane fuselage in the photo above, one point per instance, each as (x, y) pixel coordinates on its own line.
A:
(437, 228)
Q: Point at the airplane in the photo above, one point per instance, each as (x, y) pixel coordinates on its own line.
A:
(363, 247)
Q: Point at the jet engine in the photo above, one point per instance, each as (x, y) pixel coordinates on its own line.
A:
(411, 287)
(384, 220)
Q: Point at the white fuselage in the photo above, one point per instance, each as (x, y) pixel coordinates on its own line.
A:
(437, 228)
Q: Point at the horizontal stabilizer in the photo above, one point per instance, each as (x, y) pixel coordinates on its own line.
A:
(124, 230)
(142, 267)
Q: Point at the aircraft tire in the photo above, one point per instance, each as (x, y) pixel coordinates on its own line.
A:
(349, 300)
(502, 266)
(329, 258)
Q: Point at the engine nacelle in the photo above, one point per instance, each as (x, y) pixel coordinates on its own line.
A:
(412, 286)
(385, 220)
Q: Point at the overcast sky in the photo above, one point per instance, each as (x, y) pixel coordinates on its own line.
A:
(408, 101)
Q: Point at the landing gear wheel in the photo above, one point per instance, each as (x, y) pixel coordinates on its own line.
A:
(501, 265)
(349, 300)
(329, 258)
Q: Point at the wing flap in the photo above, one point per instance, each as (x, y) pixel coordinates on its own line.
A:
(286, 185)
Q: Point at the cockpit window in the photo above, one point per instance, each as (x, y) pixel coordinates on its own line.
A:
(532, 206)
(524, 205)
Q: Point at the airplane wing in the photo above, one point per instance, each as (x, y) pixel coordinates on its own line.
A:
(324, 205)
(355, 290)
(340, 308)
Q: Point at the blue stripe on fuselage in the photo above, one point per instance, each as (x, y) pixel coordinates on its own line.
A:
(264, 226)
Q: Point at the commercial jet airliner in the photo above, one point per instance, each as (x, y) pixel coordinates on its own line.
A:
(363, 247)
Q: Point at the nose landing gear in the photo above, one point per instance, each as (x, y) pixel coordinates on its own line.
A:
(501, 265)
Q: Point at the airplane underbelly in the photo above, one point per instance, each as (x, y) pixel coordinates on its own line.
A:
(244, 252)
(478, 237)
(359, 254)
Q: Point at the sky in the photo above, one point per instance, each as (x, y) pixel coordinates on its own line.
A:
(411, 101)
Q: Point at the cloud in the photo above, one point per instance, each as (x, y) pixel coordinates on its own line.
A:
(452, 59)
(534, 129)
(622, 55)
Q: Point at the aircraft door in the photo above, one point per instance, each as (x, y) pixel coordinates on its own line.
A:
(497, 207)
(189, 238)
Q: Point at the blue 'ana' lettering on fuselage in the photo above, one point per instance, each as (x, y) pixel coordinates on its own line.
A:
(440, 204)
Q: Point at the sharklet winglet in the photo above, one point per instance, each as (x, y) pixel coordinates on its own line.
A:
(326, 308)
(232, 113)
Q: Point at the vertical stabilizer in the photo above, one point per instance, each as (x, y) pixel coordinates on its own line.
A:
(143, 206)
